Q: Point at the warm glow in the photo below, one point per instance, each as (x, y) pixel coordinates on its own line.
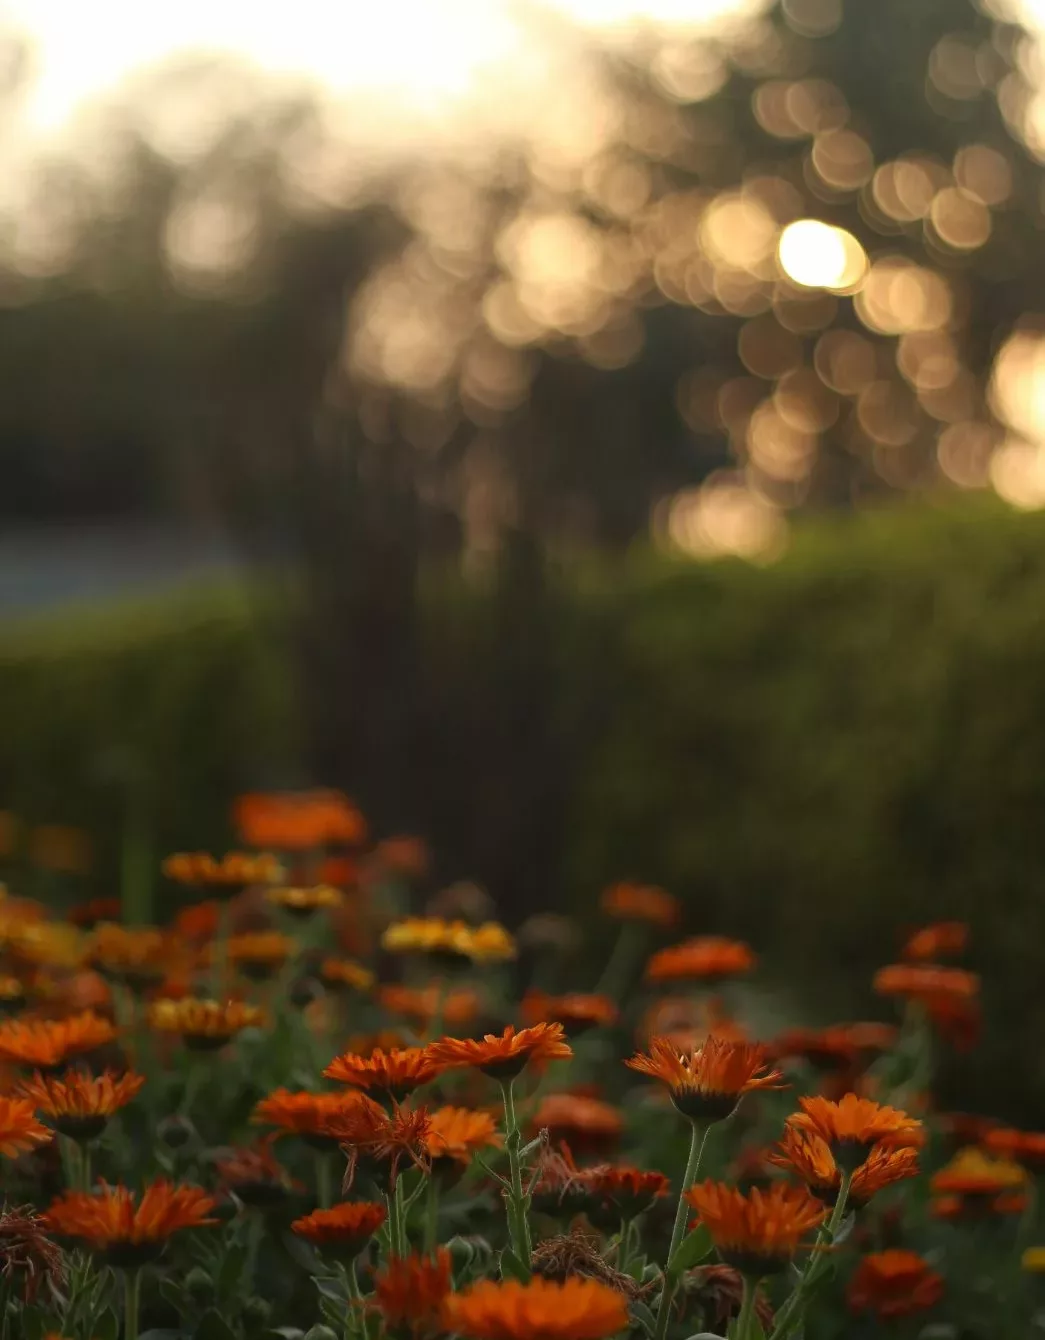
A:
(1018, 384)
(816, 255)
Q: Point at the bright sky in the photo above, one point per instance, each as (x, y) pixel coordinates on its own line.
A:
(429, 52)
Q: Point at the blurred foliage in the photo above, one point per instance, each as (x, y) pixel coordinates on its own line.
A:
(812, 755)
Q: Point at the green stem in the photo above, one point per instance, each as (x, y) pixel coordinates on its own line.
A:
(70, 1152)
(396, 1220)
(697, 1140)
(354, 1310)
(747, 1308)
(789, 1314)
(85, 1167)
(431, 1234)
(518, 1220)
(324, 1181)
(220, 950)
(132, 1284)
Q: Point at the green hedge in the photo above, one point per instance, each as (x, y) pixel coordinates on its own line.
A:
(815, 755)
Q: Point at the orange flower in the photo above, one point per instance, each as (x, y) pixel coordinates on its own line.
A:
(957, 1020)
(19, 1129)
(1027, 1147)
(837, 1047)
(459, 1006)
(541, 1309)
(760, 1232)
(587, 1123)
(78, 1103)
(410, 1292)
(618, 1192)
(46, 1044)
(706, 958)
(302, 902)
(204, 1025)
(255, 1175)
(926, 982)
(136, 956)
(87, 915)
(574, 1011)
(458, 1133)
(315, 1117)
(126, 1234)
(403, 855)
(943, 939)
(977, 1177)
(809, 1155)
(344, 973)
(299, 821)
(235, 869)
(372, 1135)
(346, 1228)
(506, 1056)
(451, 939)
(707, 1084)
(641, 902)
(852, 1125)
(894, 1283)
(395, 1073)
(198, 922)
(257, 954)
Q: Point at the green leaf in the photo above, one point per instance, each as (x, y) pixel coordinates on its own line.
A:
(693, 1248)
(213, 1326)
(174, 1294)
(331, 1288)
(320, 1333)
(643, 1317)
(844, 1228)
(107, 1327)
(512, 1267)
(231, 1272)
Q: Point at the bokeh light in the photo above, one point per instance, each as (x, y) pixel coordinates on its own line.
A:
(816, 255)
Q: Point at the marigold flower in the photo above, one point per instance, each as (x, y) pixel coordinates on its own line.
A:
(128, 1231)
(957, 1020)
(1026, 1147)
(458, 1133)
(926, 981)
(410, 1291)
(809, 1155)
(424, 1004)
(641, 902)
(1033, 1260)
(80, 1104)
(574, 1011)
(395, 1073)
(137, 956)
(852, 1125)
(254, 1174)
(345, 1229)
(198, 922)
(541, 1309)
(46, 944)
(368, 1134)
(618, 1192)
(302, 902)
(707, 1084)
(759, 1232)
(894, 1283)
(29, 1260)
(455, 940)
(204, 1025)
(299, 821)
(316, 1117)
(402, 854)
(46, 1044)
(706, 958)
(345, 974)
(88, 914)
(19, 1129)
(234, 870)
(839, 1047)
(943, 939)
(588, 1123)
(972, 1173)
(506, 1056)
(257, 954)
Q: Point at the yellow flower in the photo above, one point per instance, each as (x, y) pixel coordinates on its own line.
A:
(455, 939)
(1033, 1259)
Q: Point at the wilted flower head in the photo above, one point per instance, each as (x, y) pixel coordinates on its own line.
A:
(29, 1260)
